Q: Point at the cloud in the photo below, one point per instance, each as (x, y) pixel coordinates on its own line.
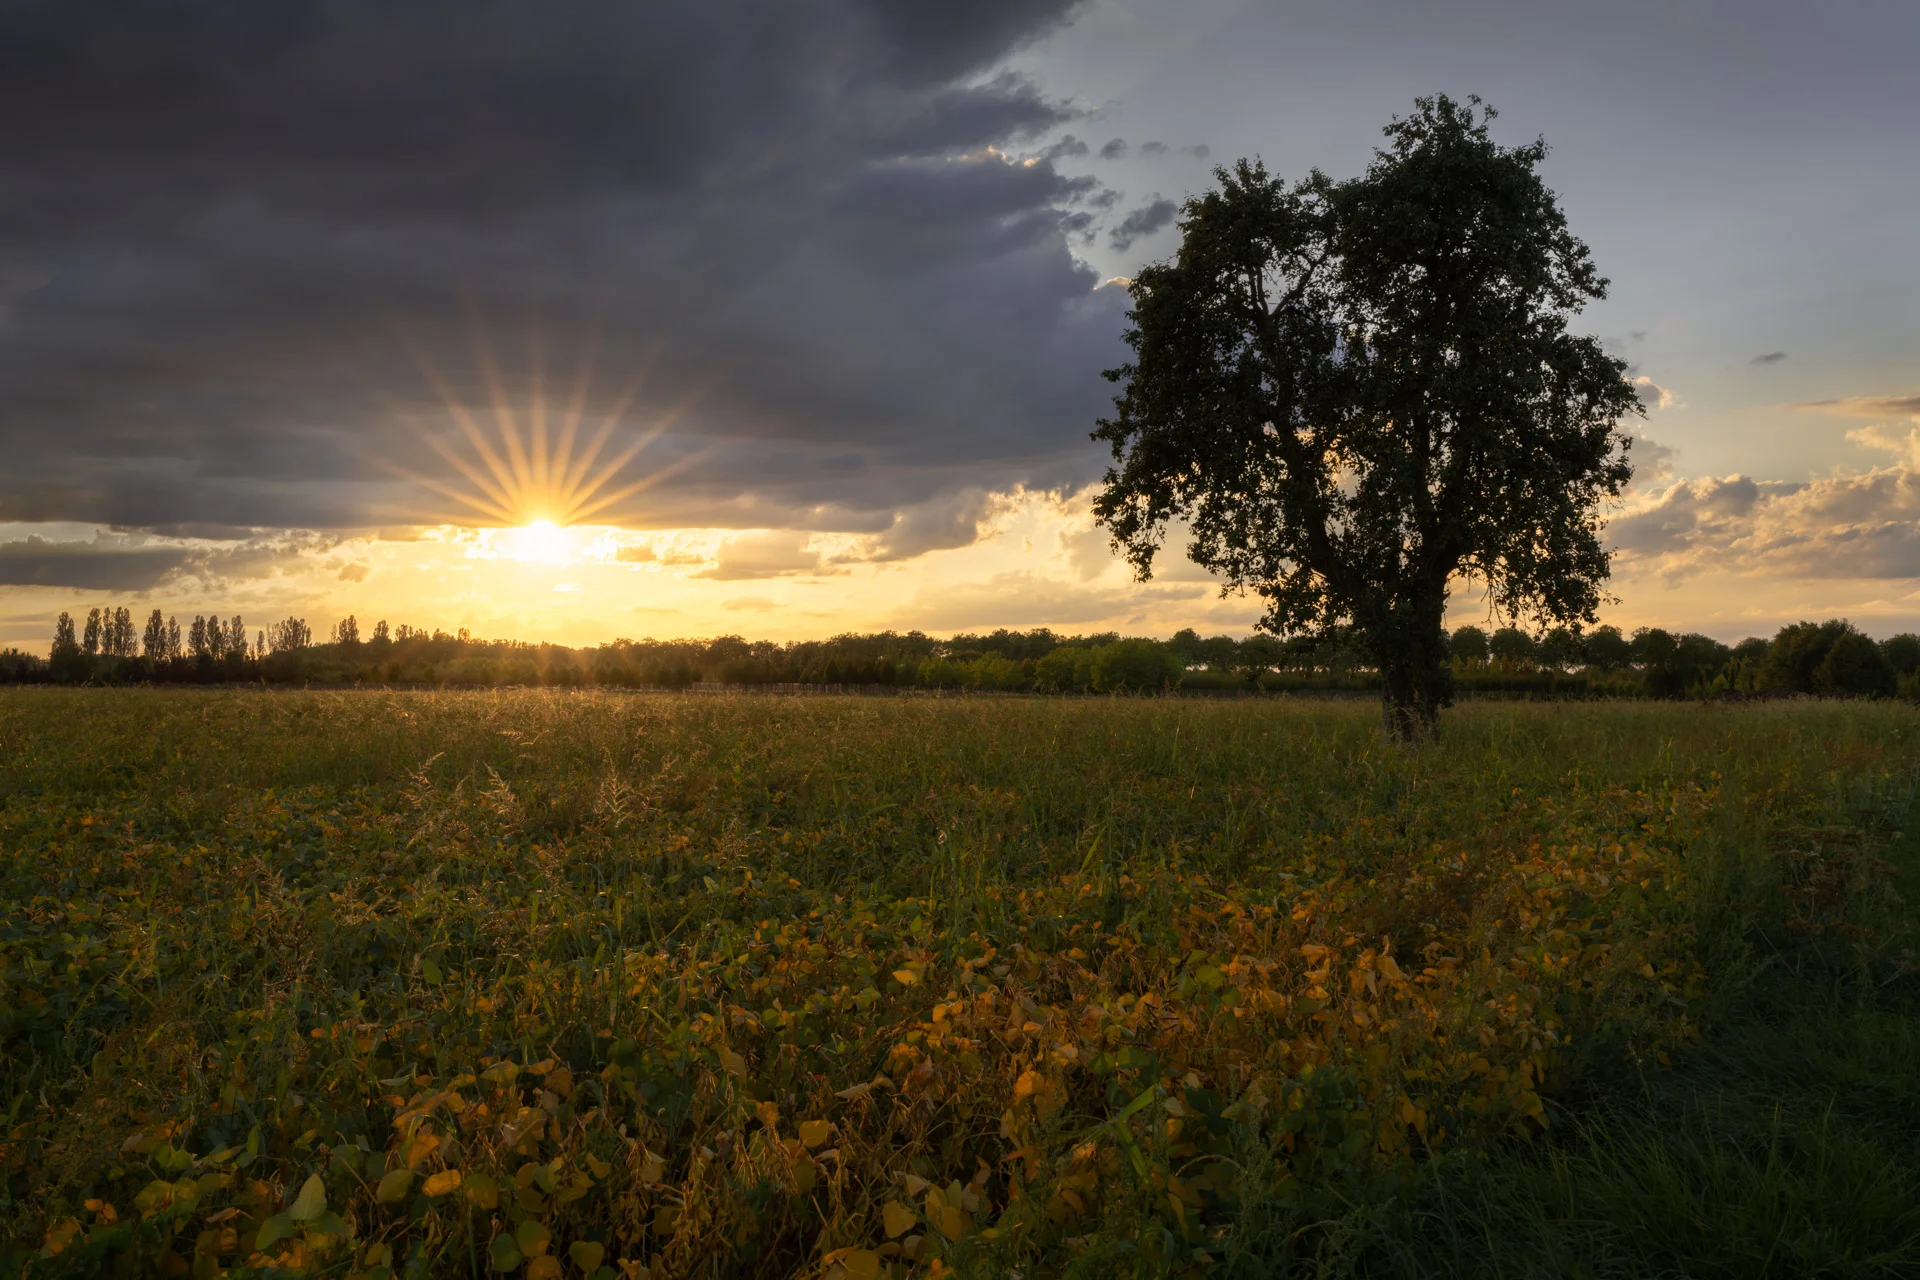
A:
(1652, 394)
(957, 520)
(37, 562)
(136, 562)
(1028, 599)
(1906, 447)
(1115, 149)
(769, 555)
(1199, 151)
(1866, 406)
(1652, 461)
(1864, 526)
(353, 572)
(1153, 148)
(233, 240)
(1142, 222)
(1770, 357)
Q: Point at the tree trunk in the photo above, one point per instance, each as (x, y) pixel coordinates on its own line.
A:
(1419, 681)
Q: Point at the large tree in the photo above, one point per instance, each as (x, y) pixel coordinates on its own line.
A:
(1355, 394)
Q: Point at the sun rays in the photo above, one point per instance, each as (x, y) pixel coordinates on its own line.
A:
(536, 465)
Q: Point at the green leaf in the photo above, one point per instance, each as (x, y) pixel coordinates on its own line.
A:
(311, 1202)
(532, 1237)
(279, 1227)
(430, 971)
(329, 1225)
(394, 1187)
(503, 1253)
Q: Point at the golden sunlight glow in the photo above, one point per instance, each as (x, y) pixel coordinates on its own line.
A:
(543, 540)
(537, 472)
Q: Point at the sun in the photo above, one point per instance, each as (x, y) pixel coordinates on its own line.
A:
(541, 541)
(543, 469)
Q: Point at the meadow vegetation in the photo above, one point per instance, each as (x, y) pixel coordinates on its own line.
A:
(554, 982)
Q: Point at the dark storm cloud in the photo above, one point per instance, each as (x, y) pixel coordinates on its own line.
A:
(1771, 357)
(1143, 222)
(234, 237)
(36, 562)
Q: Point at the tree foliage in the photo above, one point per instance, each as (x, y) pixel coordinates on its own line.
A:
(1354, 393)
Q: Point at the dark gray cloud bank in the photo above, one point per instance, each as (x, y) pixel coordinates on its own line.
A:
(232, 234)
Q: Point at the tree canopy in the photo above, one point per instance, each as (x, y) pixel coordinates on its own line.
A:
(1352, 394)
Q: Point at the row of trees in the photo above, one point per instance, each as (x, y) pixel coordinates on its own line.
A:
(1829, 658)
(107, 648)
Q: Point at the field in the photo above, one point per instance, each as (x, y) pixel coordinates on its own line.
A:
(646, 985)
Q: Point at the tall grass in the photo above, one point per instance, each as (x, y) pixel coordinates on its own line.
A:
(439, 982)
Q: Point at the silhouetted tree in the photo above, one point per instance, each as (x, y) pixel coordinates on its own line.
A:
(123, 636)
(1353, 393)
(289, 636)
(153, 638)
(1797, 652)
(1469, 644)
(346, 632)
(1902, 653)
(1511, 644)
(1854, 667)
(95, 633)
(1605, 649)
(1560, 648)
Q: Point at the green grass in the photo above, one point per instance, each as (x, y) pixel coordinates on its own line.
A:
(1655, 1012)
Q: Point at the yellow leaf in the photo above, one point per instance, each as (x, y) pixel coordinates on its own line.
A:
(813, 1132)
(898, 1218)
(861, 1264)
(905, 977)
(952, 1224)
(733, 1062)
(652, 1169)
(543, 1268)
(62, 1236)
(586, 1255)
(483, 1191)
(441, 1183)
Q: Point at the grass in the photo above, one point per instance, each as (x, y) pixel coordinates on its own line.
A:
(583, 983)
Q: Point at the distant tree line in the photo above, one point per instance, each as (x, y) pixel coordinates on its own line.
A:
(1830, 659)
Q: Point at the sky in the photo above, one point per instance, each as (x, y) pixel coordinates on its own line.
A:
(789, 319)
